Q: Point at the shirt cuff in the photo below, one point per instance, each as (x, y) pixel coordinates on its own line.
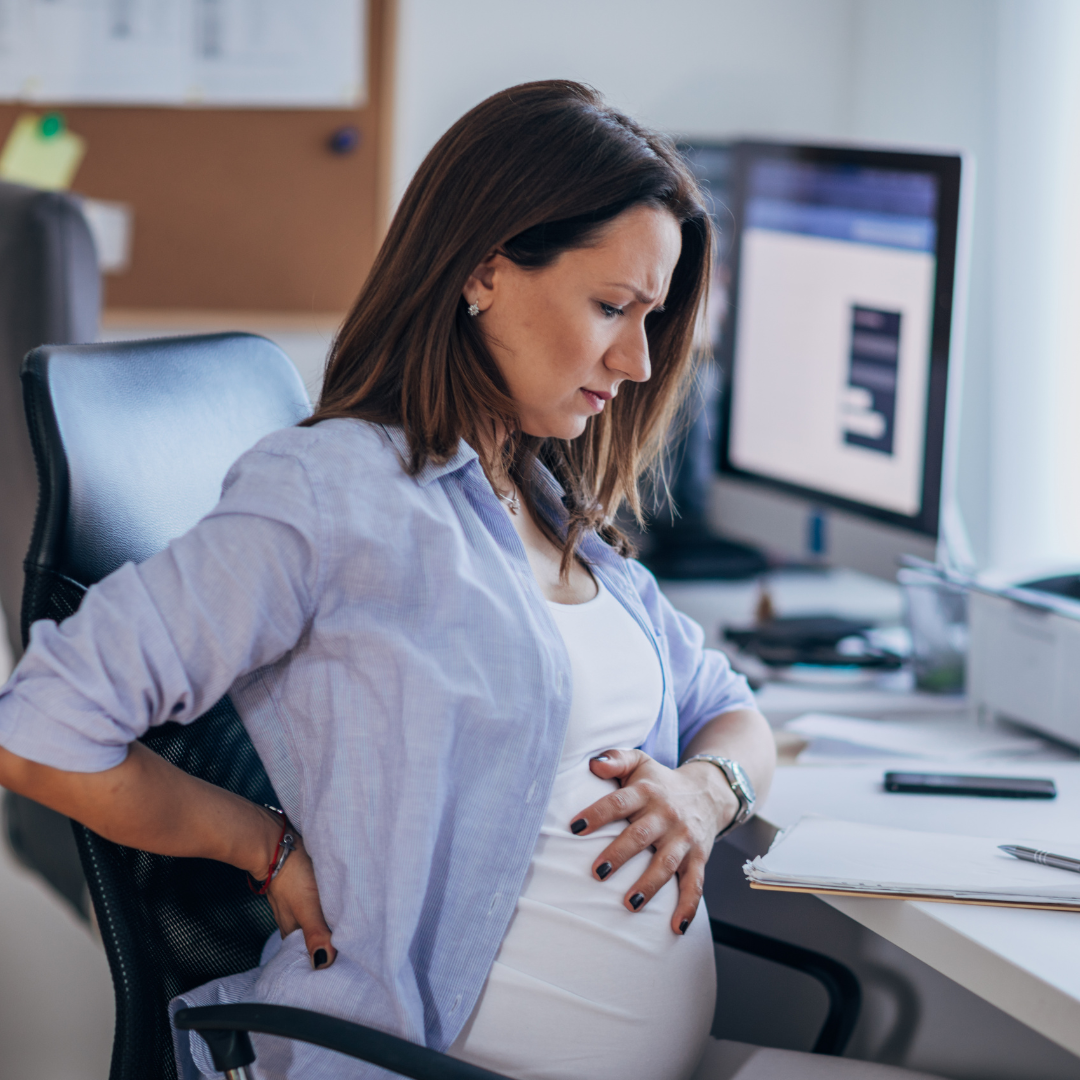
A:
(32, 734)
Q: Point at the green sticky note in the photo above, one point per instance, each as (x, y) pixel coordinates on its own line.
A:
(41, 153)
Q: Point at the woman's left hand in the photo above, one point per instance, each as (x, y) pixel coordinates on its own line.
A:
(676, 811)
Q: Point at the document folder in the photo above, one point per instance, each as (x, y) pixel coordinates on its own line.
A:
(847, 858)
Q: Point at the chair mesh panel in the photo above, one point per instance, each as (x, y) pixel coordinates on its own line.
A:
(168, 924)
(48, 595)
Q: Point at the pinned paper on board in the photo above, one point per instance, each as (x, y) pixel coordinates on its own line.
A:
(110, 225)
(238, 53)
(41, 152)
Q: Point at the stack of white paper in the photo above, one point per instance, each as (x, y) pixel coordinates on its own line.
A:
(819, 854)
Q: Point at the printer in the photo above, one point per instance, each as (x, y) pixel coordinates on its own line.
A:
(1024, 653)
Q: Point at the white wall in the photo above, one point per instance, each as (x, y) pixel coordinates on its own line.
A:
(924, 74)
(994, 77)
(703, 67)
(1034, 447)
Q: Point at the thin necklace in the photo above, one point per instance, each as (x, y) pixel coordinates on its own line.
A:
(512, 502)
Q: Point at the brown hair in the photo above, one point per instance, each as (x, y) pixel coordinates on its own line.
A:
(532, 171)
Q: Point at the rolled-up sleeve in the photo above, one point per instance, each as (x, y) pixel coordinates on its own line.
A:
(165, 639)
(704, 684)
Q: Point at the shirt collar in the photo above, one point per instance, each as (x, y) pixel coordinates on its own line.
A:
(549, 490)
(432, 470)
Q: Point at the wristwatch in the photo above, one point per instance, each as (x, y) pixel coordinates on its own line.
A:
(740, 784)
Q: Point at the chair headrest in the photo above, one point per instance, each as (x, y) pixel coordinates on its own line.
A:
(133, 439)
(50, 285)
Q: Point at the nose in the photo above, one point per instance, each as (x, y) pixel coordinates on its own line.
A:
(630, 354)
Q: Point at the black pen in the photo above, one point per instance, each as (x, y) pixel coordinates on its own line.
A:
(1062, 862)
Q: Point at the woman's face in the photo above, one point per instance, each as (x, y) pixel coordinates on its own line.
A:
(567, 336)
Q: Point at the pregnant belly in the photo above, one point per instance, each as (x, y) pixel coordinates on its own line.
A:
(583, 988)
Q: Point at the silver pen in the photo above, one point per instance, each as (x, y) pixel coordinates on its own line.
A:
(1045, 858)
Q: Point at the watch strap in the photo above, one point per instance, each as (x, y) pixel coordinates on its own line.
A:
(731, 771)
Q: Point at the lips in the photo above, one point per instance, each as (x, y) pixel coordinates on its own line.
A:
(596, 398)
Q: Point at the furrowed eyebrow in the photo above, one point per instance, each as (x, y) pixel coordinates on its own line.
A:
(642, 298)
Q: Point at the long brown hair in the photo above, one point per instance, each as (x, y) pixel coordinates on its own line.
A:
(532, 172)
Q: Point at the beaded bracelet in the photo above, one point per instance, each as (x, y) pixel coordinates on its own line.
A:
(285, 845)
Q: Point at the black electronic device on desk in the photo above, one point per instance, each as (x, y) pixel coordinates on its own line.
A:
(828, 409)
(987, 787)
(704, 558)
(821, 640)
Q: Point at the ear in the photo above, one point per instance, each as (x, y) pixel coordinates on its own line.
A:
(481, 284)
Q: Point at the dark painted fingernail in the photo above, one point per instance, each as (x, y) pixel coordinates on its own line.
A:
(319, 958)
(637, 900)
(579, 826)
(683, 925)
(601, 757)
(603, 870)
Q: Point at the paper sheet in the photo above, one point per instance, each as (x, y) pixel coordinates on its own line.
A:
(269, 53)
(111, 227)
(850, 856)
(844, 738)
(32, 157)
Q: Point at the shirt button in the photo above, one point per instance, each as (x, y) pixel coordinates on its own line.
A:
(531, 792)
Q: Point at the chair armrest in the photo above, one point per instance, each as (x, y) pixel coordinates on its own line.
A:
(840, 983)
(225, 1027)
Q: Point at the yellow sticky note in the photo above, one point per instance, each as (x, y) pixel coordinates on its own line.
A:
(41, 153)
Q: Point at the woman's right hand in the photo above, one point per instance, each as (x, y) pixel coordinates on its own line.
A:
(294, 900)
(147, 803)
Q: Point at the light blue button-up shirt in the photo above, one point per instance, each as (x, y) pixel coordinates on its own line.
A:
(387, 647)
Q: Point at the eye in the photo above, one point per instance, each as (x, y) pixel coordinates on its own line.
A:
(610, 310)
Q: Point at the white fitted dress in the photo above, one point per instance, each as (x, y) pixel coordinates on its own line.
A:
(582, 988)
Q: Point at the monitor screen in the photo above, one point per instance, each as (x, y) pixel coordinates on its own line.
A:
(836, 342)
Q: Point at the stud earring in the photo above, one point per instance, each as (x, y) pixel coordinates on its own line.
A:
(474, 308)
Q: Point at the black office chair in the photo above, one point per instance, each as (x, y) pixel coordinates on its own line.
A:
(50, 291)
(132, 441)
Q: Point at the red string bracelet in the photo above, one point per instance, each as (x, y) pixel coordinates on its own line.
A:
(286, 843)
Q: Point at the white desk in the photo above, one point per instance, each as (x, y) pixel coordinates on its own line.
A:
(716, 604)
(1023, 962)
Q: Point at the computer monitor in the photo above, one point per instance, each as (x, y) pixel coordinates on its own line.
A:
(837, 305)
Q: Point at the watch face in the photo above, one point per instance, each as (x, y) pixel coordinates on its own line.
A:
(744, 781)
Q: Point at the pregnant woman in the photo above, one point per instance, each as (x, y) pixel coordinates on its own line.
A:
(471, 701)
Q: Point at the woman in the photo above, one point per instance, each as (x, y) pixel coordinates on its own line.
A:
(427, 619)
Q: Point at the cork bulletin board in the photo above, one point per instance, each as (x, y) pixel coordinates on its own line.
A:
(242, 209)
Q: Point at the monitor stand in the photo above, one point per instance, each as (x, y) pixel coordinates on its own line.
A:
(695, 555)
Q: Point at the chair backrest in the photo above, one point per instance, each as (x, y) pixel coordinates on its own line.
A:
(50, 292)
(132, 441)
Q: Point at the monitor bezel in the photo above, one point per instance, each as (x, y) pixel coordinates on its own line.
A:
(948, 170)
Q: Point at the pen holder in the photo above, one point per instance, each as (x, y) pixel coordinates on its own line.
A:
(935, 612)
